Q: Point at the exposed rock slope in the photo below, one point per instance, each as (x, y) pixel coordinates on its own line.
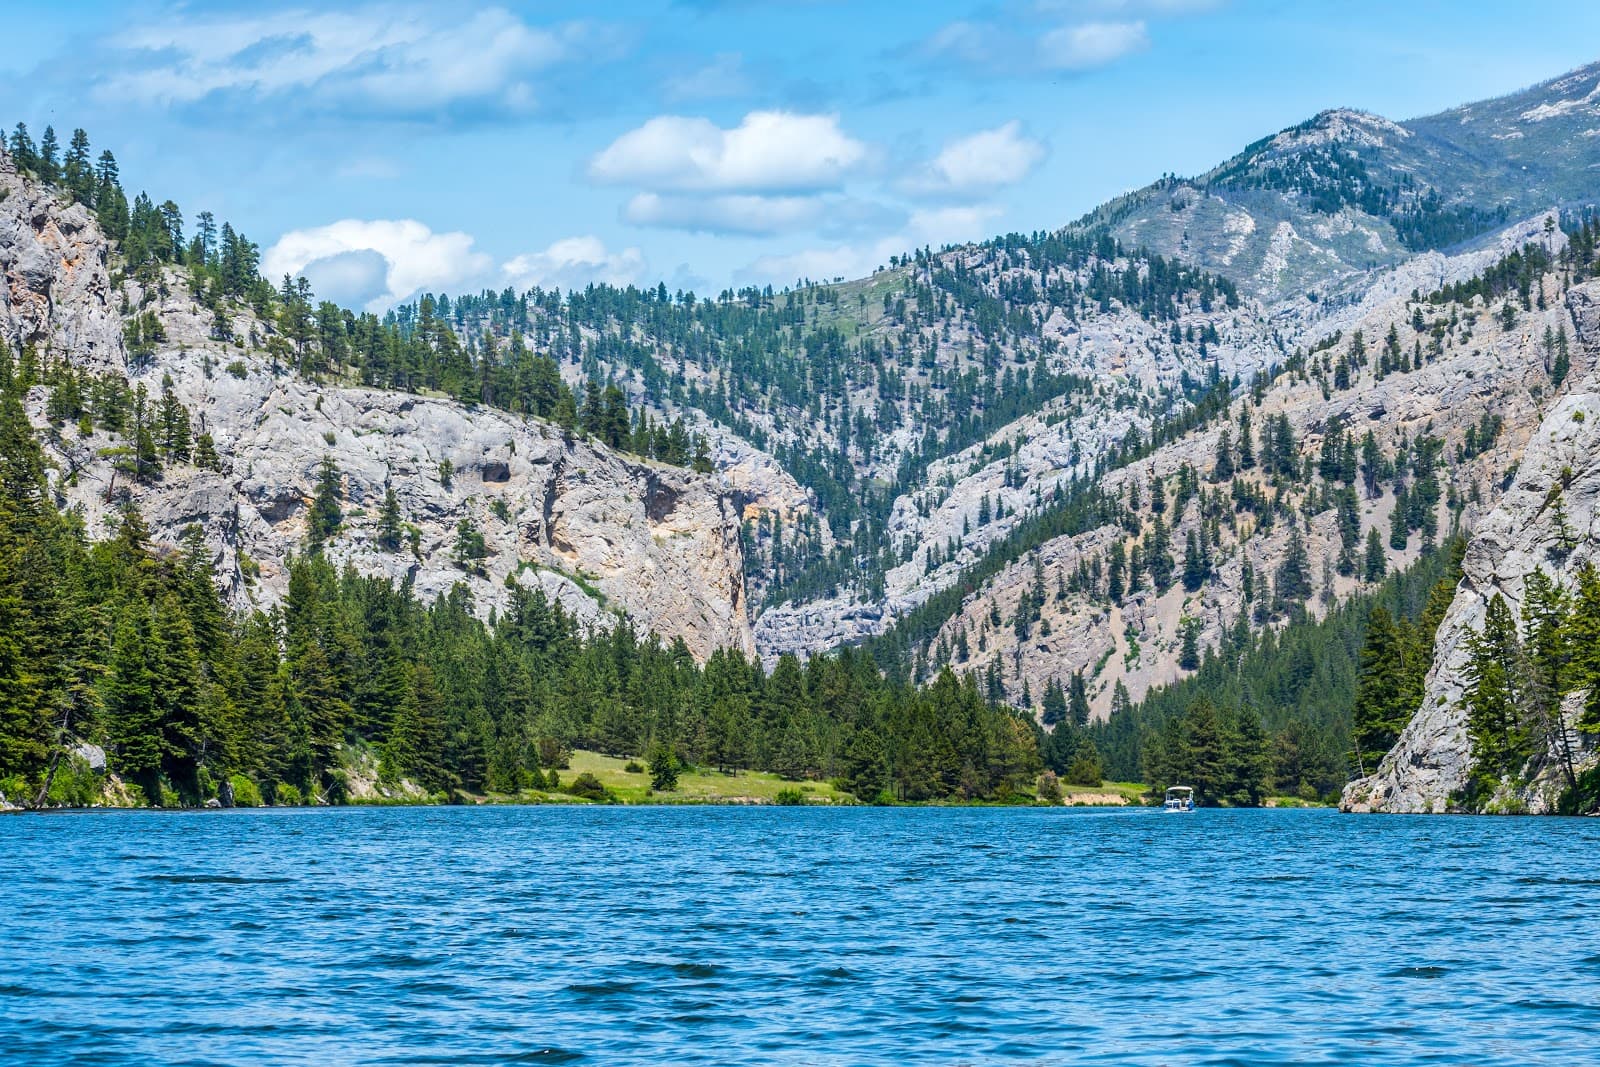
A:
(604, 533)
(1524, 533)
(1313, 207)
(56, 296)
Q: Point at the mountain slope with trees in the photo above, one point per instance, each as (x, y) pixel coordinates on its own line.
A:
(1074, 466)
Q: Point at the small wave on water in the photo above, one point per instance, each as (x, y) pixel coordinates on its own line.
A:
(829, 937)
(212, 879)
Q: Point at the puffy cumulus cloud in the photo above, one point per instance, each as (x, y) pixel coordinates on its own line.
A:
(1092, 44)
(995, 50)
(934, 228)
(768, 152)
(346, 255)
(574, 262)
(982, 162)
(350, 279)
(411, 63)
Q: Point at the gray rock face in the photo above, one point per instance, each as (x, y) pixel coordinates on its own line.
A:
(92, 755)
(1481, 368)
(55, 292)
(1432, 760)
(606, 535)
(1523, 152)
(600, 532)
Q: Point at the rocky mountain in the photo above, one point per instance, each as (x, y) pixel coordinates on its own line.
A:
(1308, 211)
(1481, 369)
(599, 532)
(1089, 456)
(1547, 521)
(57, 294)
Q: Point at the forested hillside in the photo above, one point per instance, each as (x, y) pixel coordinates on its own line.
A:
(127, 644)
(1139, 470)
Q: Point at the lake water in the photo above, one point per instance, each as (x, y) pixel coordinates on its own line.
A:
(804, 936)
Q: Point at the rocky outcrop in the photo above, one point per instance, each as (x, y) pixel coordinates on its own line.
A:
(1549, 519)
(606, 534)
(598, 531)
(1481, 368)
(56, 294)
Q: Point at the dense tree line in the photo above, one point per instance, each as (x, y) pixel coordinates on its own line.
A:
(1520, 672)
(127, 644)
(1275, 705)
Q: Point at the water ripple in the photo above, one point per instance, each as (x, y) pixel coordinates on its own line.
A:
(843, 937)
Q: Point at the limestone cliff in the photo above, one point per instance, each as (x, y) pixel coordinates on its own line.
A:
(604, 533)
(56, 296)
(1478, 367)
(1524, 533)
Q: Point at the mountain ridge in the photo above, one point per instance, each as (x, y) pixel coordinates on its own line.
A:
(990, 431)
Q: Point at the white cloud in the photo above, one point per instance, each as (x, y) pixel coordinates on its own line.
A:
(981, 162)
(972, 43)
(770, 151)
(997, 50)
(1126, 7)
(934, 228)
(723, 77)
(724, 214)
(404, 62)
(1092, 44)
(574, 262)
(416, 258)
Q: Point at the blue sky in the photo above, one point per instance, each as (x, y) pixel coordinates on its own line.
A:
(385, 148)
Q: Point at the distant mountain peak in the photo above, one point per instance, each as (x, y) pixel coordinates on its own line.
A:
(1343, 125)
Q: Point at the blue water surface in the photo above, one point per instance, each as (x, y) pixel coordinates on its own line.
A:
(797, 936)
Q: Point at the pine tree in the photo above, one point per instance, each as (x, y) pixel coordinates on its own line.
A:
(1583, 638)
(1249, 763)
(131, 701)
(664, 767)
(390, 527)
(1078, 700)
(23, 151)
(32, 641)
(1399, 529)
(1293, 579)
(205, 453)
(1545, 611)
(866, 768)
(1223, 468)
(1189, 654)
(49, 161)
(1195, 567)
(1496, 674)
(471, 549)
(1247, 448)
(1376, 564)
(76, 172)
(1385, 698)
(1562, 364)
(1053, 706)
(326, 513)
